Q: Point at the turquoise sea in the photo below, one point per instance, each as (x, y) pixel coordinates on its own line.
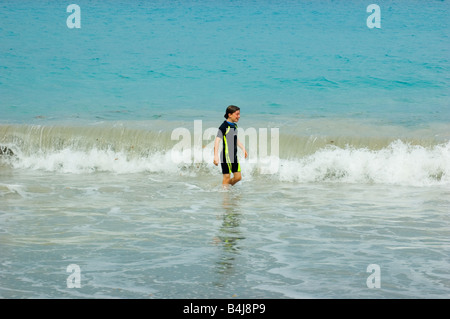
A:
(356, 173)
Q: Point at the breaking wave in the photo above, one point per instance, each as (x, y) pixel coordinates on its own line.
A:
(81, 150)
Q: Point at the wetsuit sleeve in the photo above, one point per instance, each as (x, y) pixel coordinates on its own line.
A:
(221, 131)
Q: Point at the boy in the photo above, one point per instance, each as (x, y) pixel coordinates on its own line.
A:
(228, 133)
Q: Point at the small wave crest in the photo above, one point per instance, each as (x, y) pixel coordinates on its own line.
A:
(398, 163)
(301, 160)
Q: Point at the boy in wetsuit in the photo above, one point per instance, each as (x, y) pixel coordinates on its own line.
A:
(228, 134)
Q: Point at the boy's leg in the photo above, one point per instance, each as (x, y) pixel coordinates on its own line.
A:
(236, 178)
(226, 179)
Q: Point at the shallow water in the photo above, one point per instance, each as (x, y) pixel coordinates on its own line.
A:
(156, 236)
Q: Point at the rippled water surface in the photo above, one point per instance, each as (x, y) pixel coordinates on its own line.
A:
(153, 236)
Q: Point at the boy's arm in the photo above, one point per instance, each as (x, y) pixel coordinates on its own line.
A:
(242, 148)
(216, 150)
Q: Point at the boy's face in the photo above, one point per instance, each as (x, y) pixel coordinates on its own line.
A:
(234, 117)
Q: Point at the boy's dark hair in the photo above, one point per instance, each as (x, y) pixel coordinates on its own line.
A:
(230, 110)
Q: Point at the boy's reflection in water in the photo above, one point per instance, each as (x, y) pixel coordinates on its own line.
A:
(229, 236)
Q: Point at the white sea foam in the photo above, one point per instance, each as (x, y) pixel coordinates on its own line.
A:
(398, 163)
(95, 160)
